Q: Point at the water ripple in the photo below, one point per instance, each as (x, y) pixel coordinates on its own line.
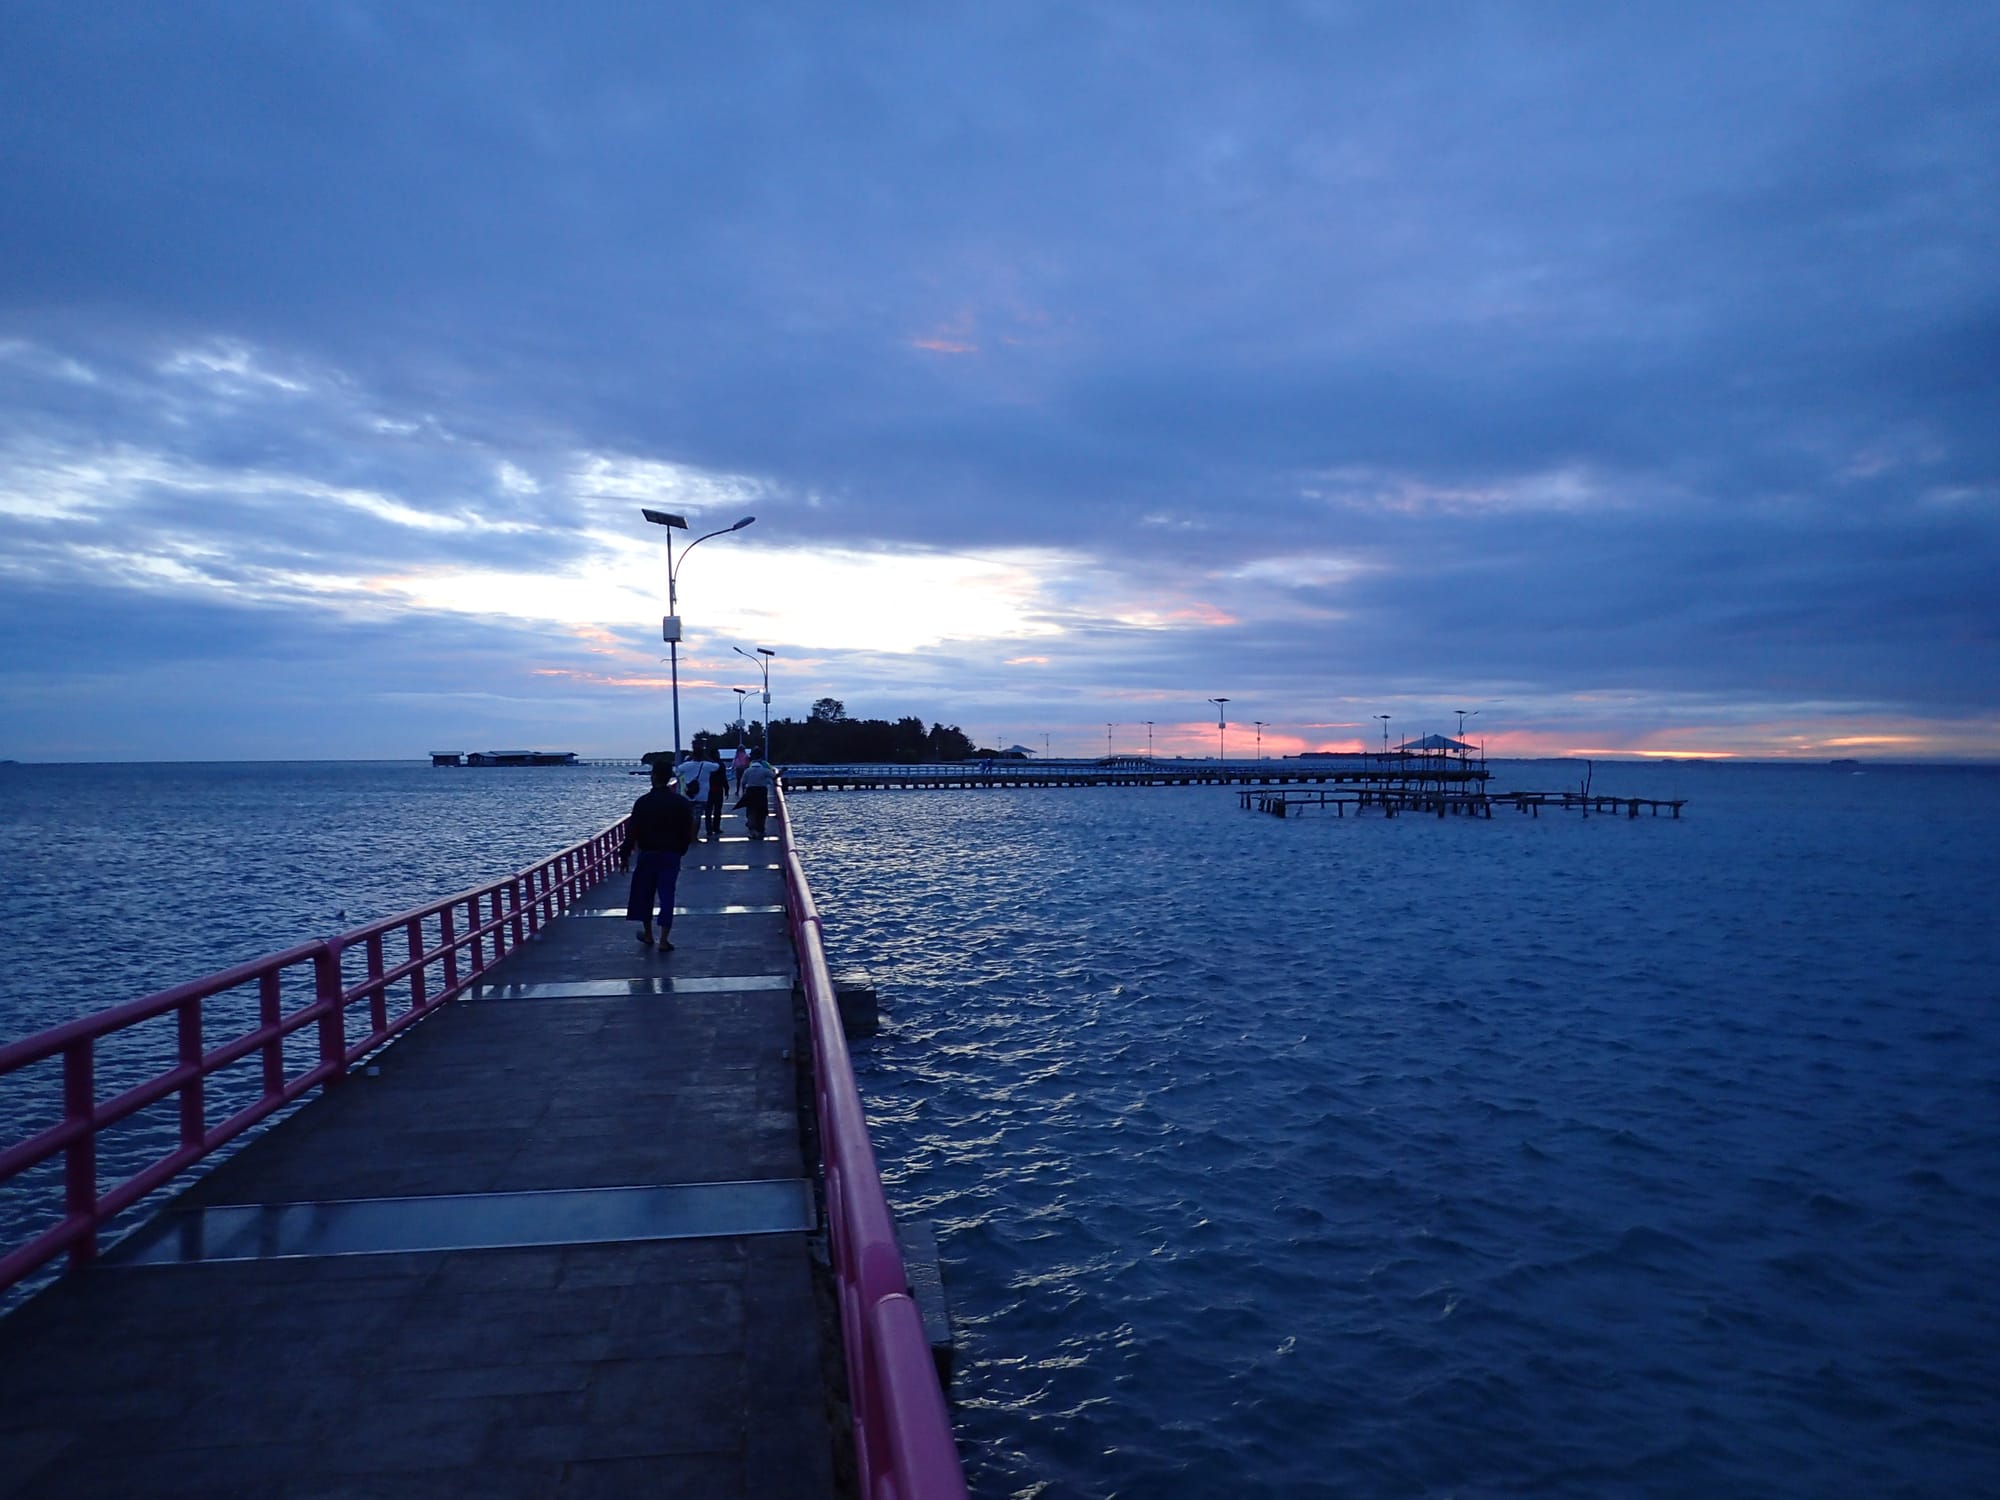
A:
(1542, 1157)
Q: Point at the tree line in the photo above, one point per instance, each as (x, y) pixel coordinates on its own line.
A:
(827, 736)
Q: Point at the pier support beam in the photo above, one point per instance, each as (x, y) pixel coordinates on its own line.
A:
(860, 1014)
(918, 1240)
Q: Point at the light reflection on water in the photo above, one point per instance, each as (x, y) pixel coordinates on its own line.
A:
(1557, 1156)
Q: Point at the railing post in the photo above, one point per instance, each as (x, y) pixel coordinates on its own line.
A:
(80, 1158)
(378, 992)
(531, 894)
(267, 1018)
(329, 996)
(194, 1119)
(514, 901)
(419, 979)
(448, 941)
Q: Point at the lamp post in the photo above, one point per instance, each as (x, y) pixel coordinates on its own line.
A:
(1149, 739)
(670, 627)
(741, 694)
(1385, 734)
(1463, 715)
(1260, 737)
(1221, 724)
(763, 661)
(1107, 740)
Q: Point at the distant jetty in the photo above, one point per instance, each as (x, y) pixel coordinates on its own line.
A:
(504, 758)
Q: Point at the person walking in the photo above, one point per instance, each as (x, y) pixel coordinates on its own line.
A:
(740, 765)
(661, 829)
(754, 797)
(695, 773)
(688, 772)
(718, 788)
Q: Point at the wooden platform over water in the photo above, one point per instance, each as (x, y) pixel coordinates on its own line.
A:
(1134, 771)
(557, 1240)
(1445, 801)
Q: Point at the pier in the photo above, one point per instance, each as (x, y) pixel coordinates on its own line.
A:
(554, 1214)
(1444, 802)
(1393, 768)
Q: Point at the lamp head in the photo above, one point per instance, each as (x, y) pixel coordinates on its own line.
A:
(742, 523)
(662, 518)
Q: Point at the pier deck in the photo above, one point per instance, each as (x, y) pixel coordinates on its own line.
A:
(455, 1305)
(1445, 800)
(1356, 770)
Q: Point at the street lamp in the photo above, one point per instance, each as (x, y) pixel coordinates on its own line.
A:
(1220, 725)
(1385, 732)
(1463, 715)
(741, 694)
(1149, 739)
(1107, 740)
(763, 661)
(670, 627)
(1260, 737)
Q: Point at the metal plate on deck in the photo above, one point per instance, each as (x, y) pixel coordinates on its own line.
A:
(470, 1221)
(682, 911)
(623, 989)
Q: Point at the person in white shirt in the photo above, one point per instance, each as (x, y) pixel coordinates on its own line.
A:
(693, 773)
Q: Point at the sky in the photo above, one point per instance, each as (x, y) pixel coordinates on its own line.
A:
(1625, 376)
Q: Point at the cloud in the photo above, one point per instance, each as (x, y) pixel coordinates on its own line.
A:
(1304, 355)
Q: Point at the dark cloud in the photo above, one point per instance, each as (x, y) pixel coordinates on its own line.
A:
(1646, 348)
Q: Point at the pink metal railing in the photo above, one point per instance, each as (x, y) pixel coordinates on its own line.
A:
(428, 956)
(903, 1446)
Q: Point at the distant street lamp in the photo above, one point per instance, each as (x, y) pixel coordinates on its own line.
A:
(1221, 724)
(1107, 740)
(741, 694)
(1260, 737)
(1149, 739)
(1463, 715)
(670, 627)
(1385, 732)
(763, 661)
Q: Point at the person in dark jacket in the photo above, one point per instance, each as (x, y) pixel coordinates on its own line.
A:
(662, 828)
(718, 788)
(755, 795)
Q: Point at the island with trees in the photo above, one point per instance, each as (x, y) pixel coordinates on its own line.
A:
(828, 737)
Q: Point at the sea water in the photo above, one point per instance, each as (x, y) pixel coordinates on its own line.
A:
(1420, 1157)
(1552, 1156)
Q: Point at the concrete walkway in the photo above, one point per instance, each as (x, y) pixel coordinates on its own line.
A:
(621, 1328)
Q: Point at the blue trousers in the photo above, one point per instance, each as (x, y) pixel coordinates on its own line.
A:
(654, 873)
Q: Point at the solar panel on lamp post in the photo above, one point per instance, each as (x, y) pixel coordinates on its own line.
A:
(1221, 724)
